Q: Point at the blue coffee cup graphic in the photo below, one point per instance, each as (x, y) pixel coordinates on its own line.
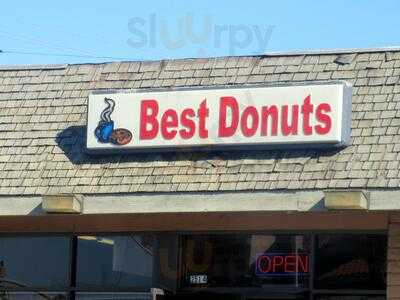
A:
(103, 131)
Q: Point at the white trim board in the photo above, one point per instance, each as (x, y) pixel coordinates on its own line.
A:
(301, 201)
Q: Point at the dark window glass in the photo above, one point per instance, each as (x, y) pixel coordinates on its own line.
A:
(246, 260)
(350, 261)
(34, 262)
(115, 261)
(349, 297)
(237, 296)
(114, 296)
(33, 296)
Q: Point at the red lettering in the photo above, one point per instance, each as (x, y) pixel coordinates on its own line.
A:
(224, 129)
(250, 111)
(188, 123)
(264, 264)
(148, 118)
(323, 118)
(307, 109)
(277, 261)
(302, 263)
(202, 112)
(282, 119)
(169, 120)
(271, 111)
(292, 128)
(290, 263)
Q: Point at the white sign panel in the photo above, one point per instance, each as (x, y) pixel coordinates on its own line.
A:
(209, 117)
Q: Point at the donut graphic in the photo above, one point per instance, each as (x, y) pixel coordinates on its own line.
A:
(120, 136)
(105, 132)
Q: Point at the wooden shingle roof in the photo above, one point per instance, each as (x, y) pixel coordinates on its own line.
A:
(43, 117)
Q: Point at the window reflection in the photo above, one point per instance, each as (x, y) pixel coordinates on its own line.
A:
(33, 296)
(199, 265)
(115, 261)
(27, 262)
(350, 261)
(350, 297)
(114, 296)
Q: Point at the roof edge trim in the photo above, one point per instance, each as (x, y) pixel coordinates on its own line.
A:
(332, 51)
(33, 67)
(266, 54)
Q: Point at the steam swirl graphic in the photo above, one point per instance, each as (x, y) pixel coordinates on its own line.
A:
(105, 131)
(106, 113)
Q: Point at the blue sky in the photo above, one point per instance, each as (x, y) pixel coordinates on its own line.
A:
(96, 31)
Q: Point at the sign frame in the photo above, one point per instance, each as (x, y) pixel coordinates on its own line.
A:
(345, 129)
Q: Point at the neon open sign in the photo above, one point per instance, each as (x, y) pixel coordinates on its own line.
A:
(274, 264)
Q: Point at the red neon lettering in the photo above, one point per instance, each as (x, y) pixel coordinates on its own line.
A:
(264, 264)
(277, 261)
(290, 263)
(302, 263)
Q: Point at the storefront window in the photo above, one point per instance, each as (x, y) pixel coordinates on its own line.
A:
(350, 261)
(350, 297)
(114, 296)
(308, 266)
(115, 261)
(344, 266)
(246, 260)
(33, 296)
(34, 262)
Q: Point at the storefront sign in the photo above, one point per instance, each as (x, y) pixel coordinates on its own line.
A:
(317, 114)
(282, 264)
